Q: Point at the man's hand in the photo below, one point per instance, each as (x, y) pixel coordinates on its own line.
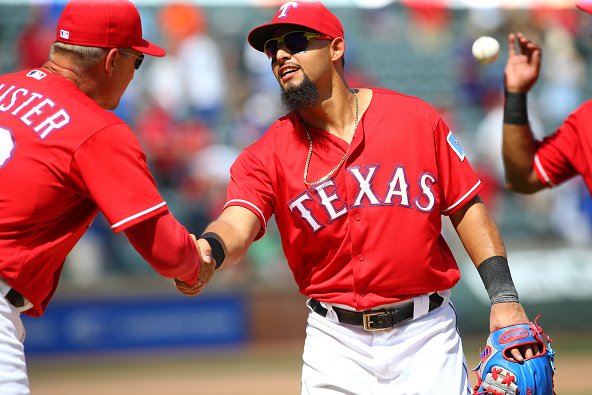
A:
(189, 290)
(523, 65)
(506, 314)
(206, 271)
(208, 264)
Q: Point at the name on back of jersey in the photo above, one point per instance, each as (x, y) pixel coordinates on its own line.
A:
(33, 109)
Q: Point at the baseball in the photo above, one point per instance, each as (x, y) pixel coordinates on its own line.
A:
(486, 49)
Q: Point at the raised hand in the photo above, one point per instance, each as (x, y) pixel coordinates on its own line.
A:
(523, 65)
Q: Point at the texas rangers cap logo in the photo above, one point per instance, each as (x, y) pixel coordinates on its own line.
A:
(285, 8)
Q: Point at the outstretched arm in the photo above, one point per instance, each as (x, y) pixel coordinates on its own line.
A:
(519, 145)
(482, 241)
(167, 246)
(223, 244)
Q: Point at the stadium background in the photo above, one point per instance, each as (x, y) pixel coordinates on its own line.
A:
(116, 327)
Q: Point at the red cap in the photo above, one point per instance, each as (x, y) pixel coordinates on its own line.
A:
(310, 15)
(104, 24)
(585, 6)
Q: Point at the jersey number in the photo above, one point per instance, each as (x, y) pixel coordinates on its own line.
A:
(7, 146)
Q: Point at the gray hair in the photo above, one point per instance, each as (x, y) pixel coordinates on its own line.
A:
(83, 57)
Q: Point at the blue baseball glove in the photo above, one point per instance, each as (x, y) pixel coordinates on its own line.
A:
(499, 374)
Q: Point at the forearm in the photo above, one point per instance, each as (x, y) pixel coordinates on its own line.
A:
(518, 152)
(484, 244)
(478, 232)
(235, 230)
(167, 246)
(519, 144)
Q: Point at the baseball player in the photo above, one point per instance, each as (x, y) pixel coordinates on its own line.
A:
(358, 181)
(532, 165)
(64, 157)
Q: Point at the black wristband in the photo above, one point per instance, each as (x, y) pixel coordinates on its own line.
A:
(495, 274)
(217, 249)
(515, 109)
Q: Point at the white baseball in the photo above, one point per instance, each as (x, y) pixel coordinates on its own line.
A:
(486, 49)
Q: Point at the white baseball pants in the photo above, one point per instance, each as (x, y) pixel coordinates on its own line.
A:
(421, 357)
(13, 369)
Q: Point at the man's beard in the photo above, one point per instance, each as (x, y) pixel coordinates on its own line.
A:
(300, 97)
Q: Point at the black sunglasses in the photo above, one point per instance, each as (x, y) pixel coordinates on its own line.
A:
(294, 42)
(138, 61)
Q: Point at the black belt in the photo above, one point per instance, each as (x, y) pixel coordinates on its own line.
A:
(376, 320)
(15, 298)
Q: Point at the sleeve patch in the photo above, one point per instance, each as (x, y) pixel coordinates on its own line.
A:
(454, 144)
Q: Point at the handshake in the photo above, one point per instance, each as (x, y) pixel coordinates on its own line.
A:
(211, 255)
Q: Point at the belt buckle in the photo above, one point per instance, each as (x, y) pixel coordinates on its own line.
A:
(367, 321)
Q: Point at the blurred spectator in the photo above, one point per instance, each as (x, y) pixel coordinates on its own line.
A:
(560, 92)
(171, 143)
(429, 23)
(254, 119)
(479, 84)
(36, 37)
(571, 214)
(186, 92)
(191, 83)
(208, 175)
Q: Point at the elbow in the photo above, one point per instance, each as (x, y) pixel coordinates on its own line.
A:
(522, 188)
(522, 180)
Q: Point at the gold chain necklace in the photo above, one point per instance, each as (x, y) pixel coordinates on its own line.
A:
(332, 172)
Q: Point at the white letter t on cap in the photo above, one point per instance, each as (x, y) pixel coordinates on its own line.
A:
(284, 9)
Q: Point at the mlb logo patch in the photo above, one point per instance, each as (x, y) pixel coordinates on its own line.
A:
(453, 143)
(37, 74)
(64, 34)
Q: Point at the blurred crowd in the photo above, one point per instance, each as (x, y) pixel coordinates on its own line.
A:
(212, 95)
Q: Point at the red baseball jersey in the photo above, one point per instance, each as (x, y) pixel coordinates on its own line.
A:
(371, 234)
(568, 151)
(62, 158)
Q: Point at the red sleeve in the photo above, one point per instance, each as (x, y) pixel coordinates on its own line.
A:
(458, 182)
(251, 187)
(112, 168)
(167, 246)
(555, 154)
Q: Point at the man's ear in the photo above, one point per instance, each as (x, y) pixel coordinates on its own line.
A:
(337, 48)
(111, 59)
